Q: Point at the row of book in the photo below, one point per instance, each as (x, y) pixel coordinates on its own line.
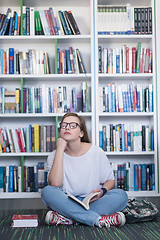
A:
(42, 22)
(126, 98)
(24, 62)
(124, 19)
(126, 137)
(124, 60)
(134, 177)
(46, 99)
(69, 61)
(37, 138)
(23, 179)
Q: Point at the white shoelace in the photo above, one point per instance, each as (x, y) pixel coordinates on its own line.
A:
(58, 219)
(108, 222)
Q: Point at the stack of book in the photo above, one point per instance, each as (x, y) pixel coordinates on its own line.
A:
(124, 19)
(125, 59)
(30, 139)
(126, 98)
(42, 22)
(24, 62)
(34, 178)
(69, 61)
(125, 137)
(134, 177)
(46, 99)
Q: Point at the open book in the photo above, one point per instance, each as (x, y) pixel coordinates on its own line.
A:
(85, 201)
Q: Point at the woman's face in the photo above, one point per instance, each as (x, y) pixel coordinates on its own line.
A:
(70, 129)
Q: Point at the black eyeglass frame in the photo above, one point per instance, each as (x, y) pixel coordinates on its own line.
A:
(69, 125)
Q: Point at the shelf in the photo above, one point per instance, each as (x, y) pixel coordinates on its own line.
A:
(131, 153)
(44, 37)
(28, 154)
(47, 76)
(126, 75)
(129, 36)
(134, 194)
(126, 114)
(28, 115)
(131, 194)
(14, 195)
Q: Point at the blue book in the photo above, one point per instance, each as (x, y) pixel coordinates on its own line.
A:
(124, 96)
(63, 22)
(138, 102)
(150, 98)
(152, 140)
(68, 62)
(153, 177)
(143, 177)
(129, 140)
(1, 179)
(135, 177)
(15, 24)
(101, 139)
(58, 61)
(11, 60)
(11, 176)
(10, 24)
(74, 107)
(30, 137)
(117, 63)
(113, 99)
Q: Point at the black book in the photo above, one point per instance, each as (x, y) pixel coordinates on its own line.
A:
(150, 20)
(31, 179)
(111, 137)
(142, 20)
(146, 20)
(139, 21)
(14, 15)
(99, 59)
(81, 65)
(143, 138)
(73, 22)
(136, 20)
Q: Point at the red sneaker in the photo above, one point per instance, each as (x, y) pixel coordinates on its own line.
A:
(54, 218)
(116, 219)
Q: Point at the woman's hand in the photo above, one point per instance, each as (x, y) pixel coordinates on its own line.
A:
(95, 198)
(61, 144)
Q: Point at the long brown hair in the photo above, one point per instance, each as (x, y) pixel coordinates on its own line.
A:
(83, 127)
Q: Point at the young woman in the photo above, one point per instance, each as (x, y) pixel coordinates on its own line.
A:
(78, 167)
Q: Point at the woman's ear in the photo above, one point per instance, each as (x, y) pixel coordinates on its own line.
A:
(81, 134)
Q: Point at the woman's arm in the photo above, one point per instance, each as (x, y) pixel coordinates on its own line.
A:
(55, 177)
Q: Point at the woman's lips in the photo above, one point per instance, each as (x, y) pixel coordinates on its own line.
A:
(67, 133)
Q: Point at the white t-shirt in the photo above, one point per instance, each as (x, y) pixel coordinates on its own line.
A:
(84, 174)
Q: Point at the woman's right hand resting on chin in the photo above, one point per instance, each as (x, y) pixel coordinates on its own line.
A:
(61, 144)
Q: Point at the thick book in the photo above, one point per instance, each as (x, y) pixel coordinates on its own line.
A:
(24, 221)
(85, 201)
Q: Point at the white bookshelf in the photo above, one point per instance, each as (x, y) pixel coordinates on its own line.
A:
(83, 13)
(102, 79)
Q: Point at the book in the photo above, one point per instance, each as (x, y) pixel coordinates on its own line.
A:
(85, 201)
(24, 221)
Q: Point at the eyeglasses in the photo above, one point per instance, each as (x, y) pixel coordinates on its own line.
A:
(72, 125)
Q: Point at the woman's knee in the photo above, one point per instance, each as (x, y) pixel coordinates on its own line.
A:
(47, 191)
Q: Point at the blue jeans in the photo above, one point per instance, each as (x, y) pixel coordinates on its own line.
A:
(113, 201)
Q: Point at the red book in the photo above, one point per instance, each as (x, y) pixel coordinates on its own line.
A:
(24, 221)
(126, 139)
(52, 32)
(18, 139)
(18, 25)
(150, 61)
(127, 59)
(21, 140)
(134, 59)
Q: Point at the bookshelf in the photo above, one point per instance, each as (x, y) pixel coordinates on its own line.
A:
(83, 13)
(104, 118)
